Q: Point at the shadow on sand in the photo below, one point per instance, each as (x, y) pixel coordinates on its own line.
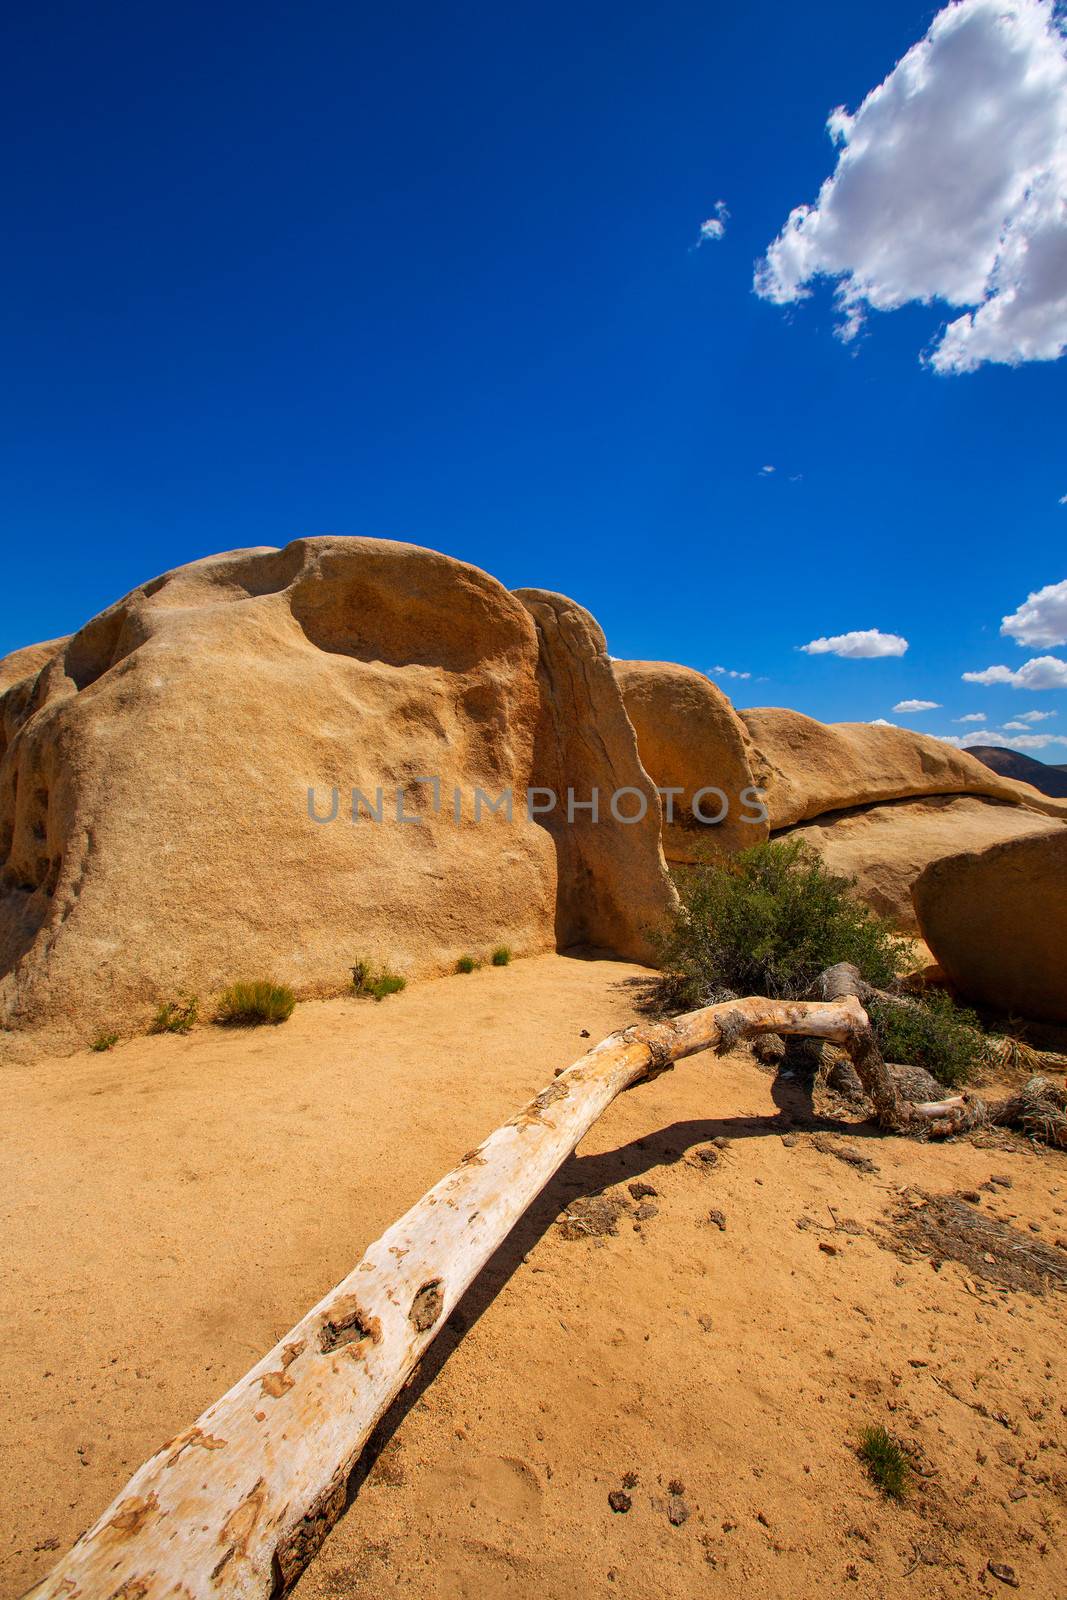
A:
(582, 1176)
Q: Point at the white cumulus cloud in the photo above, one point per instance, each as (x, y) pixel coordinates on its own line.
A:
(972, 716)
(1035, 716)
(728, 672)
(950, 185)
(1009, 741)
(880, 722)
(917, 705)
(1040, 672)
(862, 644)
(1042, 617)
(714, 227)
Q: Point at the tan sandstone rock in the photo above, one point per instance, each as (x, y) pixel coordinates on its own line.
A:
(154, 820)
(690, 738)
(886, 847)
(156, 836)
(613, 882)
(27, 662)
(809, 767)
(996, 920)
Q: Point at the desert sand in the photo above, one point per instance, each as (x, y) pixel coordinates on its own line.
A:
(173, 1206)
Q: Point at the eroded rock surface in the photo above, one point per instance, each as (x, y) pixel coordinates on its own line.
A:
(886, 847)
(996, 920)
(809, 767)
(613, 882)
(690, 738)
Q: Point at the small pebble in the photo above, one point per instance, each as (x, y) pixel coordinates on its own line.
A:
(677, 1510)
(717, 1217)
(619, 1500)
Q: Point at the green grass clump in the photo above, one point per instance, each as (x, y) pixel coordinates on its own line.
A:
(387, 983)
(932, 1032)
(885, 1461)
(466, 964)
(105, 1041)
(176, 1016)
(376, 985)
(247, 1004)
(768, 921)
(501, 956)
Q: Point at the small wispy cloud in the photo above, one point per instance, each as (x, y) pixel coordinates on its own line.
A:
(1003, 738)
(1063, 499)
(727, 672)
(714, 227)
(862, 644)
(880, 722)
(765, 472)
(917, 705)
(1035, 716)
(972, 716)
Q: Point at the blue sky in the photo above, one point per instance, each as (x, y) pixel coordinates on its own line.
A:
(433, 274)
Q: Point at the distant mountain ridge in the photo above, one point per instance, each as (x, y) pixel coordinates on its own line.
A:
(1013, 764)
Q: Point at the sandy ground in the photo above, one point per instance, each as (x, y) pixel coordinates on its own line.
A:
(172, 1207)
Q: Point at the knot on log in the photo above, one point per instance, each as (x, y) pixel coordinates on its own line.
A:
(732, 1026)
(660, 1040)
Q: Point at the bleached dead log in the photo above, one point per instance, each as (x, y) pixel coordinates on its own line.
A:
(235, 1505)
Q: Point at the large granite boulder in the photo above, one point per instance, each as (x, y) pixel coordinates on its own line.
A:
(155, 828)
(808, 767)
(692, 740)
(886, 847)
(996, 921)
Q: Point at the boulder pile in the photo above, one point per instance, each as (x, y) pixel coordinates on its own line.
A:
(286, 761)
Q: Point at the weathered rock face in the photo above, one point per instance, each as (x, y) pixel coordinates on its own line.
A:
(886, 847)
(155, 829)
(996, 920)
(27, 662)
(154, 823)
(690, 738)
(809, 767)
(613, 886)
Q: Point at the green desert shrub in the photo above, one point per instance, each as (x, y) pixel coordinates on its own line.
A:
(176, 1016)
(262, 1000)
(105, 1041)
(885, 1461)
(501, 956)
(375, 985)
(768, 921)
(931, 1031)
(466, 964)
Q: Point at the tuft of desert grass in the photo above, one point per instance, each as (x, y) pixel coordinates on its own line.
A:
(248, 1004)
(885, 1461)
(501, 956)
(104, 1041)
(376, 985)
(466, 964)
(176, 1016)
